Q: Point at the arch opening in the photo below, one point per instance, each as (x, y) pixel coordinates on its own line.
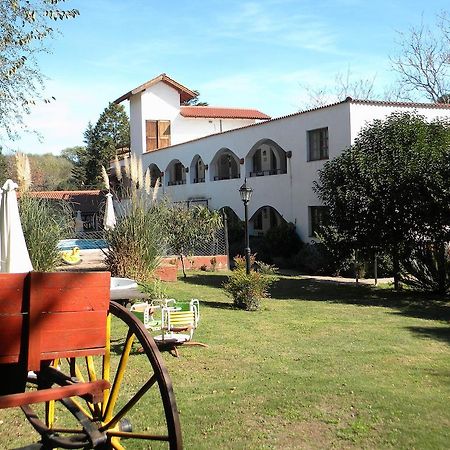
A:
(265, 158)
(263, 220)
(197, 170)
(225, 165)
(155, 175)
(176, 173)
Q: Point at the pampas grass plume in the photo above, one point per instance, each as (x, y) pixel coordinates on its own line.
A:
(147, 182)
(105, 178)
(23, 172)
(117, 168)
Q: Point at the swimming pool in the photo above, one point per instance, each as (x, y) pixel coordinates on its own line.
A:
(82, 244)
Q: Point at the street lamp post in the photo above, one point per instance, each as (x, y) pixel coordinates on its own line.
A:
(246, 193)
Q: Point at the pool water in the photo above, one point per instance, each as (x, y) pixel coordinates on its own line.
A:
(82, 244)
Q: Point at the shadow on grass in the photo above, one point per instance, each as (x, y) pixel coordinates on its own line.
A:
(215, 280)
(408, 303)
(438, 333)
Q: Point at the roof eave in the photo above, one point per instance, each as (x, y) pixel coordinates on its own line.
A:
(185, 93)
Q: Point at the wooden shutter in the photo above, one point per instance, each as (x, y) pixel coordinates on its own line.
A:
(151, 133)
(163, 133)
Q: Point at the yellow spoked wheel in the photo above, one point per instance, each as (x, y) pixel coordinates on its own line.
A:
(138, 411)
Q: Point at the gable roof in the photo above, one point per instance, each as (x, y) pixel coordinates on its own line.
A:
(185, 93)
(212, 112)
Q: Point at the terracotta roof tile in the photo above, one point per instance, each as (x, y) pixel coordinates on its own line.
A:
(85, 201)
(399, 104)
(212, 112)
(64, 195)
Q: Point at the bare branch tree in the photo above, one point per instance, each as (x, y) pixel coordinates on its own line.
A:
(345, 85)
(423, 62)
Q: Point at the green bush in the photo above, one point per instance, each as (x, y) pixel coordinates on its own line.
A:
(282, 240)
(247, 290)
(44, 224)
(313, 259)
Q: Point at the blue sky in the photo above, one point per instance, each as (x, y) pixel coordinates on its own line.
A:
(256, 54)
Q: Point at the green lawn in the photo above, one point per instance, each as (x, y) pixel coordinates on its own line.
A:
(320, 366)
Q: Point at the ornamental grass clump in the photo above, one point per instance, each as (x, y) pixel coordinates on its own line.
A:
(44, 224)
(247, 290)
(136, 243)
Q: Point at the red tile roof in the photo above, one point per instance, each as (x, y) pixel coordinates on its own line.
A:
(211, 112)
(64, 195)
(85, 201)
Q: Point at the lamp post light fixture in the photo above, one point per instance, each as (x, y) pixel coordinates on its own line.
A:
(246, 193)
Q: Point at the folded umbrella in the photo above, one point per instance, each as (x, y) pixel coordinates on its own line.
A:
(109, 221)
(14, 257)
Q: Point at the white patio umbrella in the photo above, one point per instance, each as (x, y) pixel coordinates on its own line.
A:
(14, 257)
(78, 222)
(109, 220)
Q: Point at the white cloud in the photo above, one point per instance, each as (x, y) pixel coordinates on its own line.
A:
(271, 23)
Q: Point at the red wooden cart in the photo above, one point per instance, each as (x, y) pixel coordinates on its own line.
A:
(65, 360)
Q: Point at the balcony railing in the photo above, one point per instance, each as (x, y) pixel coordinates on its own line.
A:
(226, 178)
(176, 182)
(263, 173)
(198, 180)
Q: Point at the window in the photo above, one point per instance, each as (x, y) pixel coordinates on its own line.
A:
(318, 216)
(258, 221)
(178, 172)
(157, 134)
(318, 144)
(257, 161)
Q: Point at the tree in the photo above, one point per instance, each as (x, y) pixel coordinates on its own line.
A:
(111, 132)
(51, 172)
(187, 228)
(345, 85)
(391, 188)
(195, 101)
(3, 168)
(423, 62)
(24, 26)
(78, 157)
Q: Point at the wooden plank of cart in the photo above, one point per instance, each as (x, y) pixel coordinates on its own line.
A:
(58, 347)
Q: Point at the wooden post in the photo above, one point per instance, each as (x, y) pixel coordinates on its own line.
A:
(225, 230)
(375, 268)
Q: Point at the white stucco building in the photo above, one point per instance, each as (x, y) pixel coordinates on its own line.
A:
(159, 119)
(279, 157)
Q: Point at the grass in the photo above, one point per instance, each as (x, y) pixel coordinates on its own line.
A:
(320, 366)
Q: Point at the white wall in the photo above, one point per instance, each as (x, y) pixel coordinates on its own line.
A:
(363, 114)
(291, 193)
(187, 128)
(162, 102)
(137, 125)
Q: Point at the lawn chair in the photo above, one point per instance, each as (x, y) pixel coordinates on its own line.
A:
(144, 312)
(192, 305)
(178, 323)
